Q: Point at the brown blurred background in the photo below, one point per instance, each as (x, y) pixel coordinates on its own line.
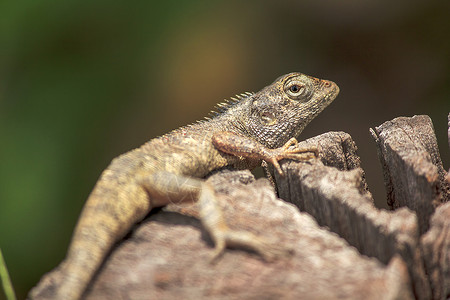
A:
(84, 81)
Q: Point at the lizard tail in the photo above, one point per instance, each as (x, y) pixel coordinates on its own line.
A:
(109, 213)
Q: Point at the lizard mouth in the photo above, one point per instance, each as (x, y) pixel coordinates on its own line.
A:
(268, 118)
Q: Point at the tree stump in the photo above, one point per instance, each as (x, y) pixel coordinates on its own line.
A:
(343, 246)
(413, 172)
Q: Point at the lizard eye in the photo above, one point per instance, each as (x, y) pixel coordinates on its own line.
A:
(295, 90)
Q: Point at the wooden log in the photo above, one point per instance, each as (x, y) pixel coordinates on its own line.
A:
(436, 249)
(167, 257)
(337, 149)
(412, 167)
(337, 199)
(435, 245)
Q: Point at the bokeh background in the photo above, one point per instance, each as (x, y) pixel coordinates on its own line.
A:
(84, 81)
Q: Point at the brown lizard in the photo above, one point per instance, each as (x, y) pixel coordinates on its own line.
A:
(251, 129)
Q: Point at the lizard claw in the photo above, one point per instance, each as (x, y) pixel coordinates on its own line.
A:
(276, 165)
(286, 151)
(219, 250)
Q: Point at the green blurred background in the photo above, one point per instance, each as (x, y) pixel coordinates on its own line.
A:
(84, 81)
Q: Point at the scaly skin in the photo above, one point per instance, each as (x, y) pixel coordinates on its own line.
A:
(253, 128)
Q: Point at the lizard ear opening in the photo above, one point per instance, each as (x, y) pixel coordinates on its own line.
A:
(268, 118)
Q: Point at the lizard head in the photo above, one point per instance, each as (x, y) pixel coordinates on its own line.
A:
(283, 109)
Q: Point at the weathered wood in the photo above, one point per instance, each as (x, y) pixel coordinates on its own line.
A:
(436, 249)
(448, 137)
(415, 177)
(337, 199)
(413, 172)
(337, 149)
(167, 257)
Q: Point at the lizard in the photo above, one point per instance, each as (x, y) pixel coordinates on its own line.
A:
(249, 130)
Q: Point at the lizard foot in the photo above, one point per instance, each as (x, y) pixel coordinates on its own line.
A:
(239, 145)
(212, 219)
(288, 152)
(269, 250)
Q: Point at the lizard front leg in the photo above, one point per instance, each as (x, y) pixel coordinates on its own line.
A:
(171, 188)
(239, 145)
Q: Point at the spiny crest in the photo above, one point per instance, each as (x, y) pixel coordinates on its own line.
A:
(218, 109)
(224, 106)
